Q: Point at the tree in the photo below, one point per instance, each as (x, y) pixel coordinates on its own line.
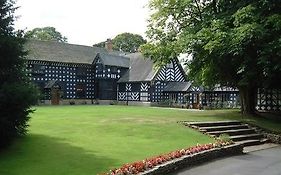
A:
(100, 44)
(45, 34)
(233, 43)
(126, 42)
(16, 93)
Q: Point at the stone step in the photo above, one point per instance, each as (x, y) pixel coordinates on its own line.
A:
(252, 142)
(237, 131)
(233, 132)
(220, 128)
(213, 123)
(246, 137)
(249, 142)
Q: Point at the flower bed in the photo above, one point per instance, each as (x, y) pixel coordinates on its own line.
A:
(165, 163)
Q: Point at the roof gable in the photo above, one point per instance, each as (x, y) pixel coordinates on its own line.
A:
(113, 60)
(171, 72)
(141, 69)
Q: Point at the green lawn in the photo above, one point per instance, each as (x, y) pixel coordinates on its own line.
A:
(83, 140)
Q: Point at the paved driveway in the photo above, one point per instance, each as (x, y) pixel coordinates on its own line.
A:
(264, 162)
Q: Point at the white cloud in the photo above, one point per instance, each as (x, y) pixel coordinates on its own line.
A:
(85, 21)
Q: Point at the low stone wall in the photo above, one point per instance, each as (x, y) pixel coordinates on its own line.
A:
(195, 159)
(134, 103)
(273, 137)
(69, 102)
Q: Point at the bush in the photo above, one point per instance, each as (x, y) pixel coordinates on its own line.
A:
(16, 93)
(15, 102)
(224, 137)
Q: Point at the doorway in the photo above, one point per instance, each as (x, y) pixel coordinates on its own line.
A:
(55, 95)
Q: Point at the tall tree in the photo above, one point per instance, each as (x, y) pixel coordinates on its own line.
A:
(16, 93)
(233, 43)
(126, 42)
(46, 34)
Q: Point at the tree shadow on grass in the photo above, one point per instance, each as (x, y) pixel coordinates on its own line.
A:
(43, 155)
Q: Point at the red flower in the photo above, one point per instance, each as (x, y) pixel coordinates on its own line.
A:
(141, 166)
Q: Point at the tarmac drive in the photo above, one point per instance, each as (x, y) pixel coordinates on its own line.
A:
(264, 162)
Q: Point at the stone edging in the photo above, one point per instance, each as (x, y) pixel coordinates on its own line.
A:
(273, 137)
(195, 159)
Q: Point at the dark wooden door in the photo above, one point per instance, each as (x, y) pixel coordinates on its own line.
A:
(55, 96)
(196, 101)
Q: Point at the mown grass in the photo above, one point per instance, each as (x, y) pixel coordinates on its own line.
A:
(78, 140)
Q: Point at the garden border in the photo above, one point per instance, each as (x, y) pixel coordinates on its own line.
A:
(180, 159)
(195, 159)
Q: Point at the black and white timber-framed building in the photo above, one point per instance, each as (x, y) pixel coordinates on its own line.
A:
(67, 73)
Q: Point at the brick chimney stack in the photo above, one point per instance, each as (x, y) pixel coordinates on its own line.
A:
(109, 45)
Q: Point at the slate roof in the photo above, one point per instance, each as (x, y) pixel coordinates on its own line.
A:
(63, 52)
(114, 60)
(177, 87)
(141, 69)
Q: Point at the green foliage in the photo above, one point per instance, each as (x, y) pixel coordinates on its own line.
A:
(233, 43)
(126, 42)
(15, 102)
(101, 44)
(224, 137)
(16, 93)
(45, 34)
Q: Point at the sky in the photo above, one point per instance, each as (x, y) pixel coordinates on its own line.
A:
(84, 22)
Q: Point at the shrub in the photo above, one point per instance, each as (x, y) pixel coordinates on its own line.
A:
(15, 102)
(224, 137)
(16, 93)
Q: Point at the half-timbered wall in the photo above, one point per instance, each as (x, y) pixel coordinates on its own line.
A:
(152, 91)
(144, 91)
(76, 81)
(174, 97)
(108, 72)
(106, 80)
(269, 99)
(220, 98)
(157, 91)
(171, 72)
(134, 91)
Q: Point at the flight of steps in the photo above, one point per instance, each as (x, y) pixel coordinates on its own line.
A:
(237, 131)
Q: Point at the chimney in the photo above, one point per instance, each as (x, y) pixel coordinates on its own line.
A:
(109, 45)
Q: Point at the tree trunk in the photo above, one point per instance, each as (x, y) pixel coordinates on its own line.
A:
(248, 99)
